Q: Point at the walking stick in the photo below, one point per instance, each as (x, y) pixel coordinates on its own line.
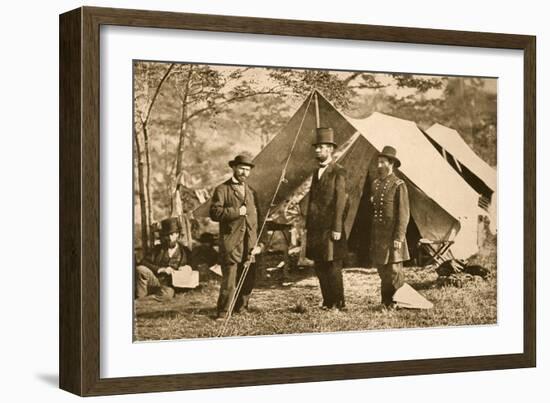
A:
(249, 261)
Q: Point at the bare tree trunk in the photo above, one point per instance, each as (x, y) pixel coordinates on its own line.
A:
(181, 141)
(147, 175)
(183, 123)
(179, 151)
(142, 150)
(144, 128)
(184, 217)
(169, 182)
(145, 224)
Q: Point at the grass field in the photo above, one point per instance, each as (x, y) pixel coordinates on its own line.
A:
(288, 303)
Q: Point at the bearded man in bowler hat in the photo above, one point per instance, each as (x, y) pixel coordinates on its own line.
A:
(235, 207)
(326, 239)
(390, 216)
(153, 274)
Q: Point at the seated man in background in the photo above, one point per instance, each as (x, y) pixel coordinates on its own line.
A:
(153, 274)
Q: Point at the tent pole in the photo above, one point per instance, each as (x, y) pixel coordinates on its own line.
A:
(317, 119)
(262, 227)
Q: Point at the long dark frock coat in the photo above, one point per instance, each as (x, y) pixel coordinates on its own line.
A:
(326, 213)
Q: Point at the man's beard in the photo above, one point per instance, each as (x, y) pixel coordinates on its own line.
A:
(170, 244)
(321, 158)
(241, 178)
(383, 172)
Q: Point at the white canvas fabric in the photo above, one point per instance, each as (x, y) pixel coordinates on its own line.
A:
(420, 162)
(443, 206)
(435, 185)
(452, 142)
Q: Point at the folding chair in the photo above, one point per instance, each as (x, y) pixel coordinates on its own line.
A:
(432, 252)
(272, 227)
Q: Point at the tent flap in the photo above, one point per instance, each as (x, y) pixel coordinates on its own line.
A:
(443, 206)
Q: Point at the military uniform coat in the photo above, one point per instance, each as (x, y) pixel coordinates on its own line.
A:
(326, 213)
(234, 228)
(390, 216)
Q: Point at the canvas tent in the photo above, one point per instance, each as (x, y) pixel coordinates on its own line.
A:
(475, 171)
(443, 206)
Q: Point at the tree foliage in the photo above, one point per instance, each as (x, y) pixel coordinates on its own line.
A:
(464, 105)
(190, 119)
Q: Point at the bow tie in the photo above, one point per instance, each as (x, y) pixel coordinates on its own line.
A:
(323, 165)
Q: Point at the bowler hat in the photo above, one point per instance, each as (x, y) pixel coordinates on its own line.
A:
(390, 153)
(241, 159)
(170, 225)
(324, 135)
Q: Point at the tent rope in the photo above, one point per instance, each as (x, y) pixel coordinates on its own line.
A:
(248, 263)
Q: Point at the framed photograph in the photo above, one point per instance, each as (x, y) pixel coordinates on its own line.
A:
(291, 201)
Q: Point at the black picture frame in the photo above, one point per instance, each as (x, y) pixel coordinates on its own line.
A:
(79, 347)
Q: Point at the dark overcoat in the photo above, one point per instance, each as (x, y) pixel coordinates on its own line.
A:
(224, 209)
(326, 212)
(390, 216)
(159, 258)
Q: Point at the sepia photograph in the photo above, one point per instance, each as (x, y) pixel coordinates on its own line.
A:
(278, 201)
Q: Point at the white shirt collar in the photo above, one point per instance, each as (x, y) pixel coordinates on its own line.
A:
(171, 251)
(323, 167)
(325, 162)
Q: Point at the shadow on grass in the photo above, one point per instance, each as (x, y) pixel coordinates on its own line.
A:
(205, 311)
(168, 314)
(174, 314)
(361, 270)
(277, 278)
(424, 285)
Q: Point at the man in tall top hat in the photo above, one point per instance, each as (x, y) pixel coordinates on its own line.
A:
(153, 274)
(390, 217)
(326, 238)
(235, 207)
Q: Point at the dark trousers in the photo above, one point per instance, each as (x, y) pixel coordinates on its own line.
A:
(331, 282)
(232, 272)
(392, 278)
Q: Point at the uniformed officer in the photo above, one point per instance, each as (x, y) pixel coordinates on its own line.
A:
(390, 217)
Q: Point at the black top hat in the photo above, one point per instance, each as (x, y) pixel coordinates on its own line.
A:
(241, 159)
(170, 225)
(390, 153)
(324, 135)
